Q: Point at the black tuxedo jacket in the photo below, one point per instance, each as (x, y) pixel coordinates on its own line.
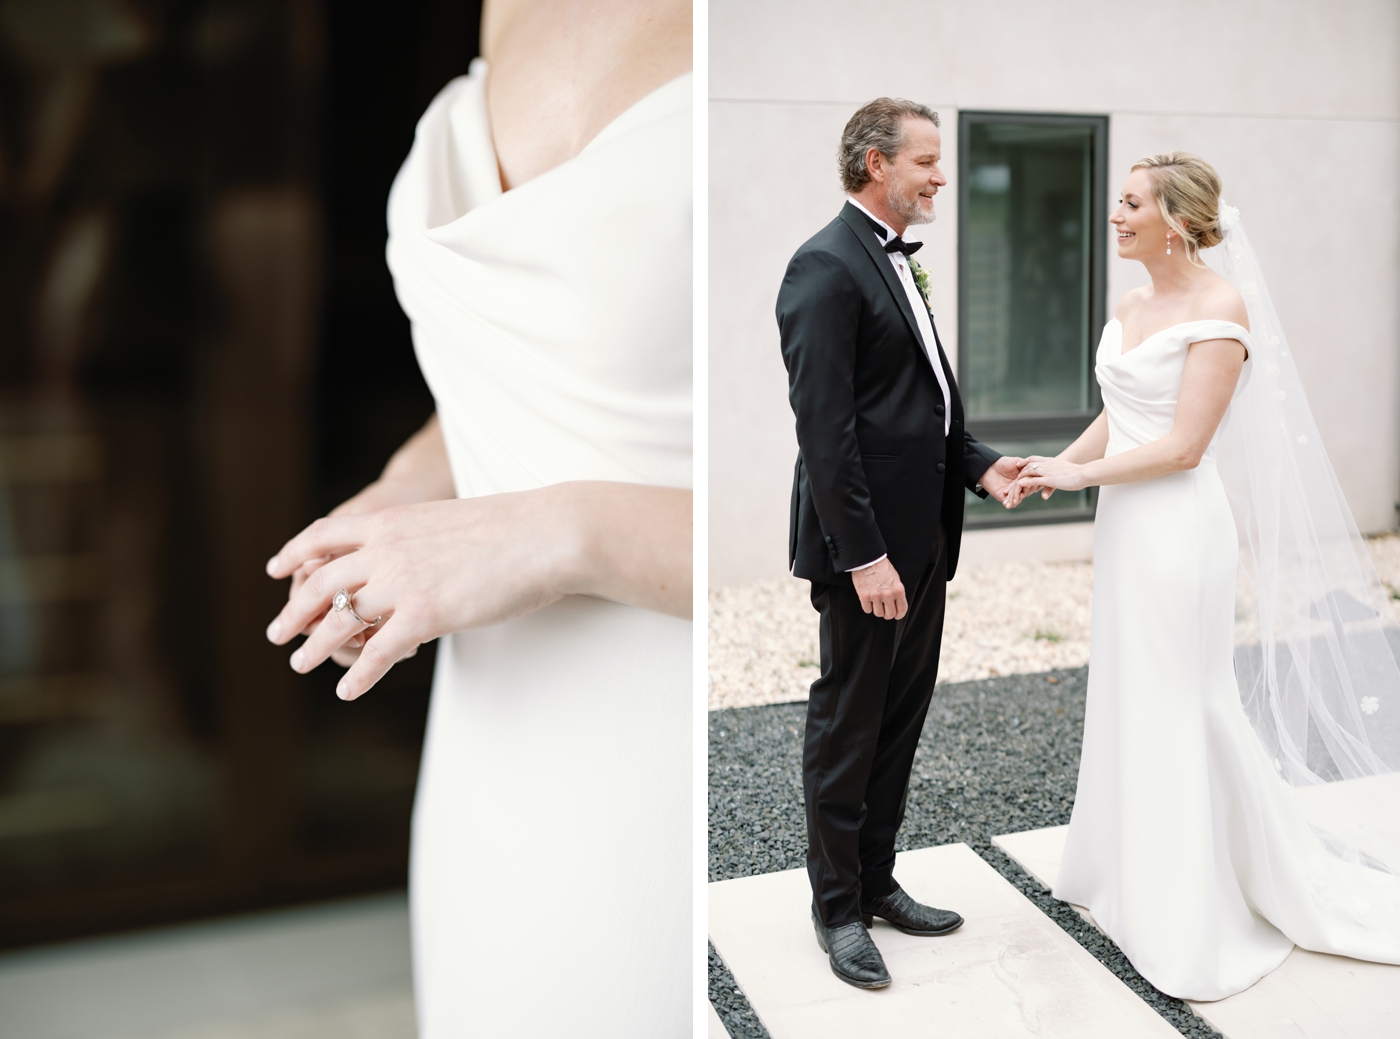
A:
(875, 472)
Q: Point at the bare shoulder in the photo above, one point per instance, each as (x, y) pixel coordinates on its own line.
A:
(1218, 300)
(1130, 301)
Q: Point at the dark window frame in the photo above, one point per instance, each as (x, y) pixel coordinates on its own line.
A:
(1066, 424)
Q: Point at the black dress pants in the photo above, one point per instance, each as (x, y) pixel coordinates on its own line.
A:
(864, 719)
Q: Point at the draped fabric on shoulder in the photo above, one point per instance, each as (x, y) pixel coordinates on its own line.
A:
(551, 862)
(1317, 638)
(517, 299)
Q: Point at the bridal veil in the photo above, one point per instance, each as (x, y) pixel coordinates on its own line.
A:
(1316, 636)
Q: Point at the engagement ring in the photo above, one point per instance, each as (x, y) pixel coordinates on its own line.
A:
(342, 600)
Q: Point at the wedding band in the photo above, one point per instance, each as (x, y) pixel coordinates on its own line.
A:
(342, 600)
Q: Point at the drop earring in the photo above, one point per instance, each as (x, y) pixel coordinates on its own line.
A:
(1169, 243)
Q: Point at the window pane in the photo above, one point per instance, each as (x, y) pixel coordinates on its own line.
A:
(1027, 266)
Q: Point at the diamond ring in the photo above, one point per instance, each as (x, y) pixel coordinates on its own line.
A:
(343, 601)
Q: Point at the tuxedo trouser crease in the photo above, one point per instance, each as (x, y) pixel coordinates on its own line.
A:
(864, 718)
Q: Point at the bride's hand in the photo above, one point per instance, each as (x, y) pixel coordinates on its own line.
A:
(382, 494)
(1046, 475)
(418, 472)
(427, 569)
(444, 566)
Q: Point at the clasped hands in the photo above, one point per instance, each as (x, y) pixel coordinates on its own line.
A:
(1011, 480)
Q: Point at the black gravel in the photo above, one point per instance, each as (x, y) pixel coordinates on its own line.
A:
(997, 756)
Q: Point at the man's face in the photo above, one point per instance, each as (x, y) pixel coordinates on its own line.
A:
(914, 177)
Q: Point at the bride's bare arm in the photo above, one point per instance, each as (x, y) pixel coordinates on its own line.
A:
(1207, 384)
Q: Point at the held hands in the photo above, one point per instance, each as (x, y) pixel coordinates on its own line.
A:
(998, 478)
(1046, 475)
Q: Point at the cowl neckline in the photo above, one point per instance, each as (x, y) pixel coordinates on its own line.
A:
(474, 151)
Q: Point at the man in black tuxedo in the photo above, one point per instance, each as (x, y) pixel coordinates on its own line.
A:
(877, 515)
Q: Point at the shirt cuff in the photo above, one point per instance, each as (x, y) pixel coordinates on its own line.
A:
(867, 566)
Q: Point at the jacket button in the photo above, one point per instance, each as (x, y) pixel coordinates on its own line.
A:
(938, 468)
(938, 409)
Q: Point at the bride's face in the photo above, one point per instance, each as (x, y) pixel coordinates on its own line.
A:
(1141, 231)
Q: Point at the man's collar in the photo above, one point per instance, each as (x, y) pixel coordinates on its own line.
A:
(884, 230)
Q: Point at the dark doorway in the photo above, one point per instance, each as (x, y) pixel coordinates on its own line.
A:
(200, 352)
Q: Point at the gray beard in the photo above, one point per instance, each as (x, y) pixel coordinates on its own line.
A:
(907, 210)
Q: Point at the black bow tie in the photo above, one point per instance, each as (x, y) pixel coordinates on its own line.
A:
(899, 245)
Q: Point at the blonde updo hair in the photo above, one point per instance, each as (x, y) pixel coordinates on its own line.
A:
(1187, 190)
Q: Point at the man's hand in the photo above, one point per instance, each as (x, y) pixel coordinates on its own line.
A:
(998, 478)
(881, 591)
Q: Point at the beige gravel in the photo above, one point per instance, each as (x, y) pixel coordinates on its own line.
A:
(1007, 618)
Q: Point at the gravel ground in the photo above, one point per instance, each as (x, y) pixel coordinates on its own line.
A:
(1009, 618)
(1385, 553)
(997, 756)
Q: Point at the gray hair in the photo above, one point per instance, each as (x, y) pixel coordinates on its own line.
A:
(876, 124)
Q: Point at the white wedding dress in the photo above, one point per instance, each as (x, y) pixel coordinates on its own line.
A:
(551, 876)
(1185, 844)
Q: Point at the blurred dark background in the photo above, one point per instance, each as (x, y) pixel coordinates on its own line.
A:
(200, 352)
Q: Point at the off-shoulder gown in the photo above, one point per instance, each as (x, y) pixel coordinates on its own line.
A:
(1185, 844)
(551, 852)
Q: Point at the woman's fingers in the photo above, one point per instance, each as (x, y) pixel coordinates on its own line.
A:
(332, 633)
(304, 571)
(313, 598)
(329, 536)
(347, 654)
(1025, 485)
(299, 578)
(390, 644)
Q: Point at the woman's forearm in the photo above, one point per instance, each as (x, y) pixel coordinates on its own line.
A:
(631, 543)
(1171, 454)
(422, 466)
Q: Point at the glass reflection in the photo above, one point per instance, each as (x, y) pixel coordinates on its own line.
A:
(192, 301)
(1027, 239)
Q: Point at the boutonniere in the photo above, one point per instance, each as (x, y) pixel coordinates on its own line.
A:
(921, 282)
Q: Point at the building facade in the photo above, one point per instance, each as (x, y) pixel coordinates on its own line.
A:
(1044, 108)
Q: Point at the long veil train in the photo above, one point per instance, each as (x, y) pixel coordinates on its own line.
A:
(1317, 640)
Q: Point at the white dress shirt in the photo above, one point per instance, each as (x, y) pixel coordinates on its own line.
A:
(921, 314)
(925, 323)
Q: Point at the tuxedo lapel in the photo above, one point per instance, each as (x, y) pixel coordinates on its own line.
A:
(861, 228)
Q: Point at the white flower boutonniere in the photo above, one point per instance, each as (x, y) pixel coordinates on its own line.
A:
(921, 282)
